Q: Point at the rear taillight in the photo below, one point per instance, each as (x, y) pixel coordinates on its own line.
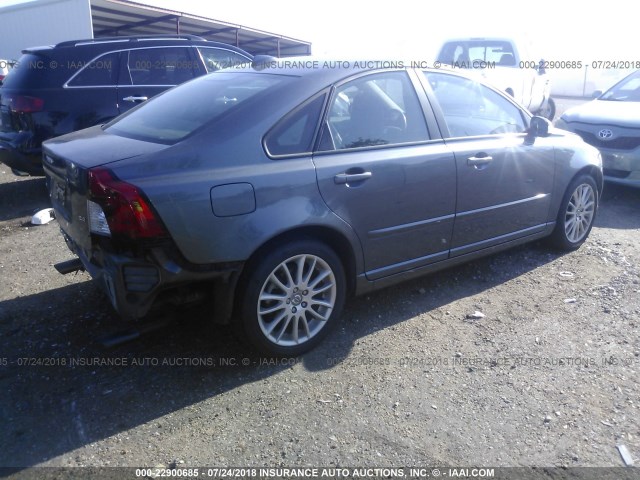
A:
(24, 103)
(122, 206)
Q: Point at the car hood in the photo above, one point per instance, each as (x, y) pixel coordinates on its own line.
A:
(93, 147)
(605, 112)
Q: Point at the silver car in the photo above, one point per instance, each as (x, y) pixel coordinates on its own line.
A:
(611, 123)
(272, 193)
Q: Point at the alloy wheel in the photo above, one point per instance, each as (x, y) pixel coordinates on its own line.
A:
(296, 300)
(580, 212)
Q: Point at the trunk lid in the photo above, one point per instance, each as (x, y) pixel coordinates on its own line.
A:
(67, 163)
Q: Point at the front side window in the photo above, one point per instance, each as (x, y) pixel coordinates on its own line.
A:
(98, 73)
(160, 66)
(377, 109)
(218, 58)
(471, 109)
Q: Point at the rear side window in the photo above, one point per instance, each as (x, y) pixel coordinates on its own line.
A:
(171, 116)
(294, 133)
(100, 72)
(218, 58)
(160, 66)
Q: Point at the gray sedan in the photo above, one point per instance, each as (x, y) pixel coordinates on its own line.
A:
(272, 193)
(611, 123)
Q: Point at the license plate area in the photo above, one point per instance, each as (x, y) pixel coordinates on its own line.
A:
(59, 194)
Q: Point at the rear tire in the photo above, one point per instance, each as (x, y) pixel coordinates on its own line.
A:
(549, 112)
(291, 298)
(576, 215)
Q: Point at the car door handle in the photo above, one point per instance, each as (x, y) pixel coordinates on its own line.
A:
(135, 99)
(343, 178)
(479, 161)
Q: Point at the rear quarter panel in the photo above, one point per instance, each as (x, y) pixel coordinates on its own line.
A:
(179, 181)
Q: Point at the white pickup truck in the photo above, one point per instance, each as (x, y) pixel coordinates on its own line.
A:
(507, 65)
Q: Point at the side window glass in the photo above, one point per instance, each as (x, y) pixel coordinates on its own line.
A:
(471, 109)
(378, 109)
(217, 58)
(160, 66)
(294, 133)
(98, 73)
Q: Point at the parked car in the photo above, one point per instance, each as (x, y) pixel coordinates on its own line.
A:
(78, 84)
(5, 66)
(277, 191)
(611, 122)
(507, 64)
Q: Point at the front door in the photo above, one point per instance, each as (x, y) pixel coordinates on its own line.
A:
(504, 178)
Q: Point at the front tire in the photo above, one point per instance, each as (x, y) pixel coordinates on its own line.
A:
(577, 214)
(292, 298)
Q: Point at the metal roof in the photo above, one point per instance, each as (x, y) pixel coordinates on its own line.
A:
(123, 17)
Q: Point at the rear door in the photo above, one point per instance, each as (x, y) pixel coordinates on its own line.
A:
(379, 170)
(92, 92)
(504, 178)
(148, 71)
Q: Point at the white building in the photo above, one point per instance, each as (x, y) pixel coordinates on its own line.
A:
(47, 22)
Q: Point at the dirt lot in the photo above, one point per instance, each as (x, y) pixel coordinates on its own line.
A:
(550, 376)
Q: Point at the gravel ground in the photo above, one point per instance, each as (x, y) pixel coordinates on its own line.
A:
(525, 358)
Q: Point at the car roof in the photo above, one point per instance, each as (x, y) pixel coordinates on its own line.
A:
(105, 43)
(322, 70)
(319, 69)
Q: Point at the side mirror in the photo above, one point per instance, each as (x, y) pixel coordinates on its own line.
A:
(596, 94)
(539, 127)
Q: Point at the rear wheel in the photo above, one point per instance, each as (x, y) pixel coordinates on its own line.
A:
(292, 298)
(577, 214)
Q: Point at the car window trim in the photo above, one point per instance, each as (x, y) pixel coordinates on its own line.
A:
(425, 103)
(119, 59)
(66, 84)
(327, 94)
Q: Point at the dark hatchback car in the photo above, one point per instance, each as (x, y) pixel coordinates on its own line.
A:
(276, 192)
(77, 84)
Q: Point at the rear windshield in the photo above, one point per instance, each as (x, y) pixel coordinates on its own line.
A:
(28, 72)
(474, 53)
(180, 111)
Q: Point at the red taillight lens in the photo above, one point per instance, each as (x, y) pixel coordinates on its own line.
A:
(25, 104)
(128, 213)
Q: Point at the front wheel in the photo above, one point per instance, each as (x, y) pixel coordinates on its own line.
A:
(577, 214)
(292, 297)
